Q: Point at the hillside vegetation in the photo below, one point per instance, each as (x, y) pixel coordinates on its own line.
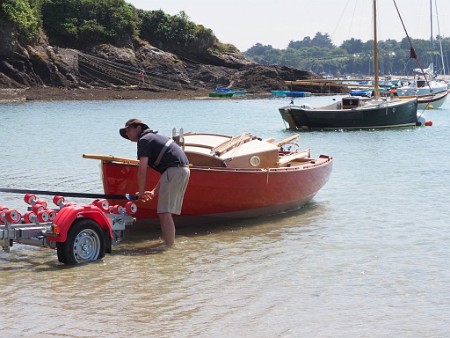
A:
(85, 24)
(82, 24)
(353, 56)
(111, 44)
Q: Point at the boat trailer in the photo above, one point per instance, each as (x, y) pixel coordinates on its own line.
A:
(79, 233)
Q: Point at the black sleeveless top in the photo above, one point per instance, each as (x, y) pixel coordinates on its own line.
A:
(151, 144)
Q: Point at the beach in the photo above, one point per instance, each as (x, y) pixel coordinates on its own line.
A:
(97, 93)
(73, 94)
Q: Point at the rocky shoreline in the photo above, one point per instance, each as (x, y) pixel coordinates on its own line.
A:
(137, 70)
(43, 72)
(99, 94)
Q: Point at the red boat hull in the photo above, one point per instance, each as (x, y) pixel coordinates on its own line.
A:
(228, 193)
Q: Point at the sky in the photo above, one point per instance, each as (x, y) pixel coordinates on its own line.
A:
(244, 23)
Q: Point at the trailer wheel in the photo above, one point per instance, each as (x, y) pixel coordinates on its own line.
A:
(85, 242)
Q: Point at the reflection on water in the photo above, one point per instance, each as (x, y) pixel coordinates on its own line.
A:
(142, 280)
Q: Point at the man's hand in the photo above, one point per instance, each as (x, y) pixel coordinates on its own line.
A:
(147, 196)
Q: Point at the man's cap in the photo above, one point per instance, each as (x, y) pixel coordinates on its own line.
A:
(132, 122)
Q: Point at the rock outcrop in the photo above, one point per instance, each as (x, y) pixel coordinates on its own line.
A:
(107, 66)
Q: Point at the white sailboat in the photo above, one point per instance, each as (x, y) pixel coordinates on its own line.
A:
(430, 92)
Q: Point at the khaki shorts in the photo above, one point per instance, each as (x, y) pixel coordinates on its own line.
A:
(172, 186)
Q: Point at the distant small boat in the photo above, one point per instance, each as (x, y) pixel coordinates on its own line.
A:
(289, 93)
(430, 101)
(297, 94)
(239, 92)
(227, 90)
(280, 93)
(223, 90)
(361, 92)
(221, 94)
(421, 86)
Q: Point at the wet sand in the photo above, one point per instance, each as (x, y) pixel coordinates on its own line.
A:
(61, 94)
(64, 94)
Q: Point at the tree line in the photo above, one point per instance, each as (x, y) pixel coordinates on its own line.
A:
(353, 56)
(81, 24)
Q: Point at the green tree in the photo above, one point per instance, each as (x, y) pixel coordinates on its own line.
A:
(352, 46)
(259, 49)
(305, 43)
(178, 34)
(22, 15)
(322, 41)
(268, 55)
(82, 23)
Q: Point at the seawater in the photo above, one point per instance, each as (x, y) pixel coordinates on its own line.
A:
(368, 257)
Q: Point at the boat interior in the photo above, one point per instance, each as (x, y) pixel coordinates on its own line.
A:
(243, 151)
(239, 152)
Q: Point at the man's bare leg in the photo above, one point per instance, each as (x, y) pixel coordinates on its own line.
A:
(167, 228)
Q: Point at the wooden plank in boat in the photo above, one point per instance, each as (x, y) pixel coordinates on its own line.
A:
(293, 157)
(232, 143)
(111, 158)
(288, 139)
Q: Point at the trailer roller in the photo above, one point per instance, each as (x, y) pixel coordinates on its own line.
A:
(79, 233)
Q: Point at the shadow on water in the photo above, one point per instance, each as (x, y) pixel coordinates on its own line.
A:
(30, 259)
(144, 241)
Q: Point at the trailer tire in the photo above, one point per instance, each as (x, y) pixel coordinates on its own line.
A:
(85, 242)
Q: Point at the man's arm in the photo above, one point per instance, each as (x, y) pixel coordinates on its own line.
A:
(143, 194)
(142, 175)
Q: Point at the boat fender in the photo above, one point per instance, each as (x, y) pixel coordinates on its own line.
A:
(420, 120)
(428, 123)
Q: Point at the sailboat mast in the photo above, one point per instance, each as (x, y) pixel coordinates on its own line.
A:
(440, 38)
(375, 48)
(431, 20)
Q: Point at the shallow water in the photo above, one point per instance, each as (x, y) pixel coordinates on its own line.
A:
(367, 257)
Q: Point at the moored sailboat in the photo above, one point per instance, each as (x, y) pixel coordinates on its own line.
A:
(429, 90)
(430, 101)
(355, 112)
